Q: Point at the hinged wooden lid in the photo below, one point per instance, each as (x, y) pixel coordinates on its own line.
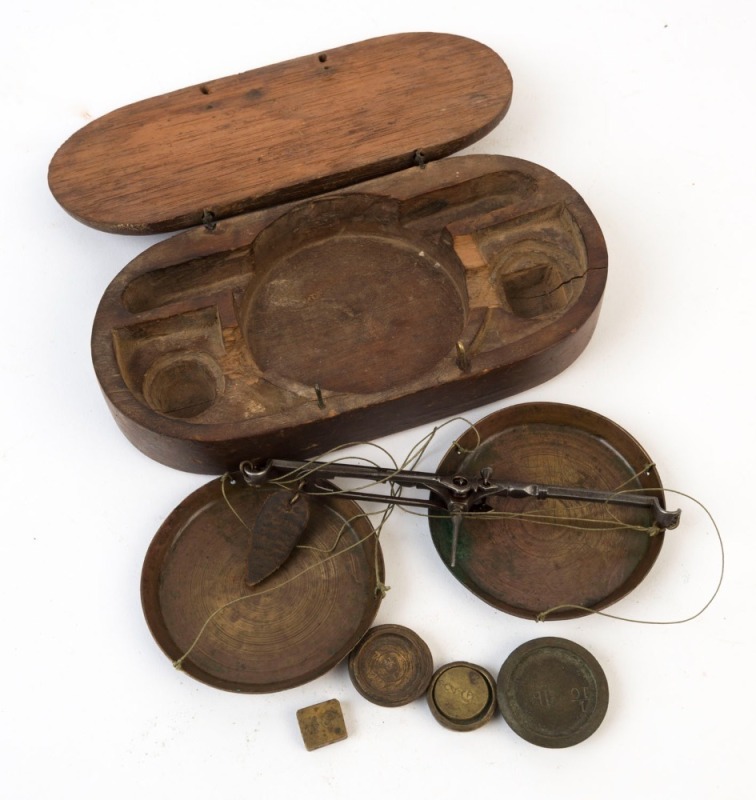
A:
(281, 132)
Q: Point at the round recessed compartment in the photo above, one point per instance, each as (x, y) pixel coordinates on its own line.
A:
(345, 299)
(183, 385)
(391, 666)
(462, 696)
(288, 629)
(536, 278)
(552, 692)
(531, 556)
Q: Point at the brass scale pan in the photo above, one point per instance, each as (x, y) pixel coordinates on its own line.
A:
(527, 557)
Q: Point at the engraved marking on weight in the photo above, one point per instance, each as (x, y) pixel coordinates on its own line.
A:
(582, 698)
(465, 695)
(544, 697)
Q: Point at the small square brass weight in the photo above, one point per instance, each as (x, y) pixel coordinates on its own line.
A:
(322, 724)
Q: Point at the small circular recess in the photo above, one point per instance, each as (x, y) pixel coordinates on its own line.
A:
(183, 385)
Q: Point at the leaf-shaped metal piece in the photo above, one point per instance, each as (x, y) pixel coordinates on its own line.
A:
(275, 532)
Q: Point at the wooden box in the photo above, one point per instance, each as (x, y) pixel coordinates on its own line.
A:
(342, 278)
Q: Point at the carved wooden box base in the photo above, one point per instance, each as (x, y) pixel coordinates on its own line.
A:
(384, 305)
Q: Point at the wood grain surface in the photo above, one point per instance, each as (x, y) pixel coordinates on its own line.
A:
(280, 132)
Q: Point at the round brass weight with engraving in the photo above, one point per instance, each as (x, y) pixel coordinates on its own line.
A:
(552, 692)
(462, 696)
(391, 666)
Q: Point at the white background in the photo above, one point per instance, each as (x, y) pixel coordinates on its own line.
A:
(646, 109)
